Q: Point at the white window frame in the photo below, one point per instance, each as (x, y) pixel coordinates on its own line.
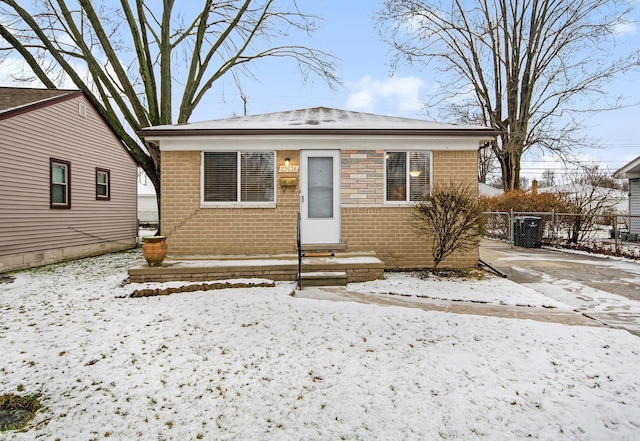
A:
(407, 201)
(67, 184)
(237, 204)
(107, 184)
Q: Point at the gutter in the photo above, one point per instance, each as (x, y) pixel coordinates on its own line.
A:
(284, 131)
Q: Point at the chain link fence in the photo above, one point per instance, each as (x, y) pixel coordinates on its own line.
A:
(533, 229)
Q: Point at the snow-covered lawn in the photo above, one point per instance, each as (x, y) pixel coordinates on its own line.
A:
(252, 364)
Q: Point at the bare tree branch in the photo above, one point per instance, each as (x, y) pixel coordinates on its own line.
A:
(126, 57)
(526, 65)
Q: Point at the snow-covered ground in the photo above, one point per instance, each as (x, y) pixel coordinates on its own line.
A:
(259, 363)
(490, 290)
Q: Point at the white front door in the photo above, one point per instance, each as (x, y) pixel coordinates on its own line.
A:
(320, 196)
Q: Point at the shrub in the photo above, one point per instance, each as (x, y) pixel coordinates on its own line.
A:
(522, 201)
(452, 216)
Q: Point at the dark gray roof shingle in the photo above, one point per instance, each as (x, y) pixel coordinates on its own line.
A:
(14, 98)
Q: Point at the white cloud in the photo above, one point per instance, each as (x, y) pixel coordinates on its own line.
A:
(400, 94)
(15, 72)
(625, 28)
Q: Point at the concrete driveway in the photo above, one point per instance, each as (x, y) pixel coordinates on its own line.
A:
(604, 289)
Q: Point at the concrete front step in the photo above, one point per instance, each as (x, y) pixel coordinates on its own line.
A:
(319, 247)
(323, 278)
(359, 266)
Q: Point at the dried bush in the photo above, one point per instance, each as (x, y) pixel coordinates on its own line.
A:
(452, 217)
(522, 201)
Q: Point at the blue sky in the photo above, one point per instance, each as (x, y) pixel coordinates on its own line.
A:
(348, 32)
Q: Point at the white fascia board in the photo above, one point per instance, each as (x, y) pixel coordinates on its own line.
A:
(627, 175)
(249, 143)
(629, 171)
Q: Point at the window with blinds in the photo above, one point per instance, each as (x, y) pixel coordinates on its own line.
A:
(239, 177)
(407, 175)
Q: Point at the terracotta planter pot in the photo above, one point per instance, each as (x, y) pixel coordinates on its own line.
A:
(154, 249)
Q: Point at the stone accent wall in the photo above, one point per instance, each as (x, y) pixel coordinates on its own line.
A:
(362, 178)
(367, 225)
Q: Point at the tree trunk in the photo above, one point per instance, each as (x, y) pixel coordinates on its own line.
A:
(509, 158)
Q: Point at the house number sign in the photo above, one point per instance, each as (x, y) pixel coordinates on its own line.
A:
(288, 169)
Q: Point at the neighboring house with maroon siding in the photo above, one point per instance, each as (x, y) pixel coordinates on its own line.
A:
(67, 184)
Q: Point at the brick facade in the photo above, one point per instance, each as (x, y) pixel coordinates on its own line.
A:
(367, 224)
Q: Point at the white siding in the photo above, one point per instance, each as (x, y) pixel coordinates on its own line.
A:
(28, 226)
(148, 209)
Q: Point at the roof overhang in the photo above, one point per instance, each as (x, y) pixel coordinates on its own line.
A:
(629, 171)
(318, 123)
(299, 141)
(151, 135)
(47, 97)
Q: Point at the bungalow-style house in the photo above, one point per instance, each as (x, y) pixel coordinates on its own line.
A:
(235, 186)
(67, 184)
(631, 171)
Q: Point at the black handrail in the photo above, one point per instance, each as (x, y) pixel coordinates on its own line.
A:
(299, 245)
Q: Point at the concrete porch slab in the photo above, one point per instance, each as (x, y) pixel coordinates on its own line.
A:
(359, 267)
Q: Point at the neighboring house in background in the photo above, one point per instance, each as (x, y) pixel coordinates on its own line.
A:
(148, 216)
(235, 186)
(147, 210)
(488, 190)
(631, 171)
(67, 184)
(609, 199)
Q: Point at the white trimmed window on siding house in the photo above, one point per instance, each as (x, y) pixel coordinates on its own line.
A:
(60, 183)
(238, 177)
(103, 184)
(407, 176)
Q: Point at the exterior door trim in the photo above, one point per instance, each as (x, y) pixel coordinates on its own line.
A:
(322, 224)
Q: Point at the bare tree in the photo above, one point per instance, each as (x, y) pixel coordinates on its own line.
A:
(452, 217)
(487, 164)
(548, 178)
(133, 58)
(528, 66)
(591, 195)
(466, 114)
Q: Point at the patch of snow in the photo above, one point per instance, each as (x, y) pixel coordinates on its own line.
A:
(579, 296)
(257, 363)
(491, 290)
